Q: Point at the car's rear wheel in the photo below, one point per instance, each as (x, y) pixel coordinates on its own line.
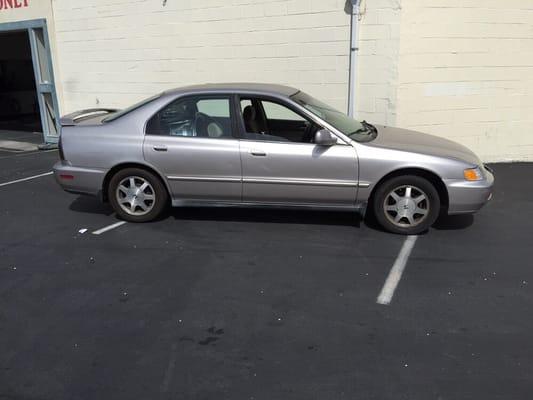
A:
(137, 195)
(406, 204)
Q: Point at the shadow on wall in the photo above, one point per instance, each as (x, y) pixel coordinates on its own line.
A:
(348, 7)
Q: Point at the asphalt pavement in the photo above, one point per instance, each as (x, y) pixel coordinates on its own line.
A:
(256, 304)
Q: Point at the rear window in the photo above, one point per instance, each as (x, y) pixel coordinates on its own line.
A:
(214, 107)
(125, 111)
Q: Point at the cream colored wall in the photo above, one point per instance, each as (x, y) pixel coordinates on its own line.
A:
(377, 72)
(466, 73)
(461, 69)
(114, 52)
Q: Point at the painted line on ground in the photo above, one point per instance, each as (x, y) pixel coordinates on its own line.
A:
(108, 228)
(396, 271)
(26, 179)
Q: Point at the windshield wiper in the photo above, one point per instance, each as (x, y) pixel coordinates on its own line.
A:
(366, 128)
(369, 126)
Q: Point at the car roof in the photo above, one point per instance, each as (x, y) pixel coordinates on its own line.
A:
(259, 88)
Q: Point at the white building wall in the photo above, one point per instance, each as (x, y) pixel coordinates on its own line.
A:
(377, 73)
(114, 52)
(466, 73)
(461, 69)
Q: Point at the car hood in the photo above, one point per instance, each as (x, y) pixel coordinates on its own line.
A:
(422, 143)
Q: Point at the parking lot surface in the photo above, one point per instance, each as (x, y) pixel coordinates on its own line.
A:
(255, 304)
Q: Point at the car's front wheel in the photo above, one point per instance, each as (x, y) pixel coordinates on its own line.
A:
(137, 195)
(407, 204)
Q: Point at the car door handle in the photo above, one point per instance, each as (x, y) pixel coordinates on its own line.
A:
(258, 153)
(160, 148)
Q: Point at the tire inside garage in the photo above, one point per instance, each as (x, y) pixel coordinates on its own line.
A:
(19, 109)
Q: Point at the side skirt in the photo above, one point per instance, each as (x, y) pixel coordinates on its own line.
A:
(359, 208)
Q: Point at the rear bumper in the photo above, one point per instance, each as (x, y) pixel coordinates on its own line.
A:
(79, 180)
(468, 197)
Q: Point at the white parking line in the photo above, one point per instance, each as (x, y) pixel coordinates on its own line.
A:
(109, 227)
(26, 179)
(396, 271)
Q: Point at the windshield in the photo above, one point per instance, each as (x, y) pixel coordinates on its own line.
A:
(358, 131)
(125, 111)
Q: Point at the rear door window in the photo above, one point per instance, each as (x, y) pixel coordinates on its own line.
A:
(125, 111)
(194, 116)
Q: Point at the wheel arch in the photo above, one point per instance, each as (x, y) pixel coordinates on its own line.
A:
(124, 165)
(431, 176)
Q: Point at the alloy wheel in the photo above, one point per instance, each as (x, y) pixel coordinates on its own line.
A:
(135, 195)
(406, 206)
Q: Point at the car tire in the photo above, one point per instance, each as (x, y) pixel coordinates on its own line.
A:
(407, 205)
(137, 195)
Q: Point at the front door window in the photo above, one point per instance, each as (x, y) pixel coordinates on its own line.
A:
(271, 121)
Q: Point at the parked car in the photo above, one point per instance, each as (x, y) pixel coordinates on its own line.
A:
(268, 146)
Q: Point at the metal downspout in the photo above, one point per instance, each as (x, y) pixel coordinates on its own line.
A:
(354, 50)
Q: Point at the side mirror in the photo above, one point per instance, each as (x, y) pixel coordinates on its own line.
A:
(323, 137)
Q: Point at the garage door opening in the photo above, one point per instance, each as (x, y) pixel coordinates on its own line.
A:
(29, 112)
(20, 117)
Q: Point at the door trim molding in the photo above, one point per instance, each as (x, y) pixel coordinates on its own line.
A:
(264, 204)
(22, 25)
(302, 181)
(271, 181)
(204, 178)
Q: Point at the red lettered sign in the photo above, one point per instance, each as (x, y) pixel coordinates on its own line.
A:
(6, 4)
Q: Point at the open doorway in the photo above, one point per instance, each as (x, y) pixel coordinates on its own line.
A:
(20, 117)
(29, 111)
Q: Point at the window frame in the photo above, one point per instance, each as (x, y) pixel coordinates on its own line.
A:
(200, 96)
(261, 97)
(117, 115)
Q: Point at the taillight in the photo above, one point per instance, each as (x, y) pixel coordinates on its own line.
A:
(60, 146)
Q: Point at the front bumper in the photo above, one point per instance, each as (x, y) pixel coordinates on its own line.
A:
(79, 180)
(468, 197)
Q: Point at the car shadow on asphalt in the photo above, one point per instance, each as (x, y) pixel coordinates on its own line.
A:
(230, 214)
(91, 205)
(443, 223)
(454, 222)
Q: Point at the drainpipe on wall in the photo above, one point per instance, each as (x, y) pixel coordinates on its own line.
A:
(354, 49)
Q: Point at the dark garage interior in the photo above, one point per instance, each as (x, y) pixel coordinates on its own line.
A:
(19, 108)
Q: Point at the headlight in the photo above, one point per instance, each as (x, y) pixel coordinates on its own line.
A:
(473, 174)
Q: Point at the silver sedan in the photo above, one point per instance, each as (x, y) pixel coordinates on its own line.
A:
(266, 146)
